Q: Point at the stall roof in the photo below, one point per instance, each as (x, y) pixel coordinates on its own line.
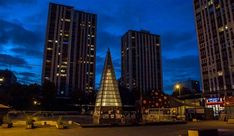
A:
(4, 106)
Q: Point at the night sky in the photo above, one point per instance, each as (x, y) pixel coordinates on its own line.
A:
(23, 25)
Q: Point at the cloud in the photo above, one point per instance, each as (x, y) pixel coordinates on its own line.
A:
(8, 60)
(11, 2)
(175, 40)
(107, 39)
(28, 52)
(27, 74)
(18, 35)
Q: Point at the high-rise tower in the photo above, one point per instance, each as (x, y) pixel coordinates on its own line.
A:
(141, 61)
(69, 54)
(215, 33)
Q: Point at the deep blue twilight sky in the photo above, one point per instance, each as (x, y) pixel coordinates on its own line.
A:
(23, 25)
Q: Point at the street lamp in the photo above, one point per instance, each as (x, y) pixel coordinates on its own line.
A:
(1, 79)
(35, 102)
(178, 88)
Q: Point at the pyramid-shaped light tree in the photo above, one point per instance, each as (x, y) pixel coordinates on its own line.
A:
(108, 104)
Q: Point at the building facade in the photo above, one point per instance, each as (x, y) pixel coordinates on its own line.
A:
(141, 61)
(215, 32)
(70, 50)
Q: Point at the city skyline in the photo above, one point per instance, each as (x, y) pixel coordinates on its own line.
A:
(175, 24)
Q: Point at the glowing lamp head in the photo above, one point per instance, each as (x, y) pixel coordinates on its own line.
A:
(35, 102)
(1, 79)
(177, 86)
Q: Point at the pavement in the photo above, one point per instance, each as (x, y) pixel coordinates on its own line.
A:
(154, 130)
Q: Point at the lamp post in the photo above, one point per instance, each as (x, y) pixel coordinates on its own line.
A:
(1, 80)
(178, 88)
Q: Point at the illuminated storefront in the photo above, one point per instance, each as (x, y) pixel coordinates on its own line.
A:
(217, 104)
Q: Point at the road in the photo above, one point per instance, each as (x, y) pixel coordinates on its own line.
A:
(162, 130)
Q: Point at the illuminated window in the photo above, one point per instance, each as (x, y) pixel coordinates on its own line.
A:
(221, 29)
(226, 27)
(62, 70)
(210, 2)
(63, 75)
(220, 73)
(67, 20)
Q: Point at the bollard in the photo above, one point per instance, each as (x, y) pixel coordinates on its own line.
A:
(203, 132)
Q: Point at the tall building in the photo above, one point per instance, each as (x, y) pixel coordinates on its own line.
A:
(141, 61)
(215, 33)
(70, 50)
(108, 101)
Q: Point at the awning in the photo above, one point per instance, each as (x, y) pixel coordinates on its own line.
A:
(229, 101)
(4, 106)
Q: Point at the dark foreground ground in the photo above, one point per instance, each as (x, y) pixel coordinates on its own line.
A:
(156, 130)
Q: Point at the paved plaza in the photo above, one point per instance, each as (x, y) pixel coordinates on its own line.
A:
(156, 130)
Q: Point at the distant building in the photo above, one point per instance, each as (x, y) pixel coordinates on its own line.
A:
(7, 78)
(215, 34)
(108, 101)
(70, 50)
(187, 87)
(141, 61)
